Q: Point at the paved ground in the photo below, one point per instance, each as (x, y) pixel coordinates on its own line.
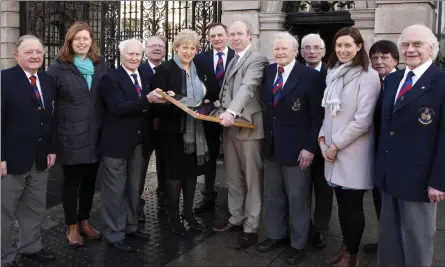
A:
(196, 249)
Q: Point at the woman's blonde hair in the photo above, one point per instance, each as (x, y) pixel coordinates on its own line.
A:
(187, 36)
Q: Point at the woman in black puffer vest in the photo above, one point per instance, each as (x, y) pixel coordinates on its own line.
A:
(77, 113)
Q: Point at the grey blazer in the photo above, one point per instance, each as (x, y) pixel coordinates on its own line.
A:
(241, 92)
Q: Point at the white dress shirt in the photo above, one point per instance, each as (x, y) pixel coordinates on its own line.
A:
(131, 77)
(152, 66)
(318, 67)
(37, 83)
(418, 72)
(216, 57)
(287, 70)
(242, 53)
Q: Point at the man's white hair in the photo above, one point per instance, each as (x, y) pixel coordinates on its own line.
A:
(312, 36)
(432, 39)
(288, 36)
(123, 46)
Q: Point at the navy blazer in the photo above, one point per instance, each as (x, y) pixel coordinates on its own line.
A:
(26, 125)
(204, 63)
(411, 150)
(125, 114)
(294, 123)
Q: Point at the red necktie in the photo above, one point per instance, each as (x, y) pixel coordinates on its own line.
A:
(33, 80)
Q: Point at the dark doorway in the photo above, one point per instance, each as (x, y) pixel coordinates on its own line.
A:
(324, 23)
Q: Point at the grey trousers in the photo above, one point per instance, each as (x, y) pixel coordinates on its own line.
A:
(23, 199)
(406, 231)
(287, 202)
(120, 194)
(244, 168)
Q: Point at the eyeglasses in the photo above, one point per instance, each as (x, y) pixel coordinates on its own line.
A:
(315, 48)
(415, 44)
(156, 46)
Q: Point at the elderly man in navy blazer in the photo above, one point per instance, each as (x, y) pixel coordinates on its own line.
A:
(410, 169)
(126, 97)
(27, 150)
(293, 116)
(313, 50)
(213, 64)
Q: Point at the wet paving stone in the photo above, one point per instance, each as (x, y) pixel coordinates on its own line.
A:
(162, 247)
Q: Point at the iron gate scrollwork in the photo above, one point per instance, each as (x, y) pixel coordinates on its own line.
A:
(114, 21)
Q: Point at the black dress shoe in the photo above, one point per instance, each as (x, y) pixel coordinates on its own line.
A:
(293, 256)
(319, 240)
(122, 246)
(176, 226)
(269, 244)
(246, 240)
(194, 224)
(370, 248)
(141, 216)
(41, 256)
(137, 235)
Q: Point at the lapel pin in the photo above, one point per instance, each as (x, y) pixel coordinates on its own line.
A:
(423, 87)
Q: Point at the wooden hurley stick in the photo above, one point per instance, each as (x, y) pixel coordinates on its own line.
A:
(200, 116)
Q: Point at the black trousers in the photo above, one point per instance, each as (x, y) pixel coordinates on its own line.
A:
(324, 195)
(78, 187)
(351, 216)
(213, 138)
(160, 170)
(377, 198)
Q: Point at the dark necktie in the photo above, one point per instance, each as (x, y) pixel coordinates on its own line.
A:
(136, 84)
(33, 80)
(219, 72)
(407, 85)
(278, 85)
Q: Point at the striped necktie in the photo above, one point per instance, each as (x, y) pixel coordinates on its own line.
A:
(33, 80)
(219, 72)
(277, 86)
(136, 84)
(407, 85)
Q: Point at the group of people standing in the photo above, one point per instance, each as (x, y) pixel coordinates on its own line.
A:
(342, 127)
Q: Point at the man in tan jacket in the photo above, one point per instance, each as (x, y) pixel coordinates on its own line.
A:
(240, 98)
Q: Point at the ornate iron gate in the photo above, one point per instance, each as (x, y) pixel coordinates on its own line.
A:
(114, 21)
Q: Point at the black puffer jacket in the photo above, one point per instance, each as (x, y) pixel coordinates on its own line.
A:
(77, 113)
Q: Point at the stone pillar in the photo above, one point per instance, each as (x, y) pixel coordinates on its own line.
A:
(270, 24)
(364, 20)
(243, 10)
(391, 17)
(10, 32)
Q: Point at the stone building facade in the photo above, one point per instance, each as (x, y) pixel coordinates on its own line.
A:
(375, 19)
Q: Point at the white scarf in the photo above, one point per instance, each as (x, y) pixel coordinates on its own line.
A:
(336, 80)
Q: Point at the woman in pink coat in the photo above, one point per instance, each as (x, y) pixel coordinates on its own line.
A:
(346, 136)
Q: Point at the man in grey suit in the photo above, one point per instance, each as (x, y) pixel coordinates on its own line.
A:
(126, 98)
(240, 98)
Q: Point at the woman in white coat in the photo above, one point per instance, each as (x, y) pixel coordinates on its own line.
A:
(346, 138)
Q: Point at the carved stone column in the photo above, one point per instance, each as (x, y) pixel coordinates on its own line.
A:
(364, 20)
(270, 24)
(10, 31)
(243, 10)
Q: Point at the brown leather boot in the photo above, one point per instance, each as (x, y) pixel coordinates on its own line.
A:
(89, 230)
(337, 257)
(348, 260)
(73, 236)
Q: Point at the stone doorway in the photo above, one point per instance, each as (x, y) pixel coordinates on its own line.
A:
(325, 20)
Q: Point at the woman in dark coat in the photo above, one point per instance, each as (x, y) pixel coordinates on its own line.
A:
(183, 143)
(77, 73)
